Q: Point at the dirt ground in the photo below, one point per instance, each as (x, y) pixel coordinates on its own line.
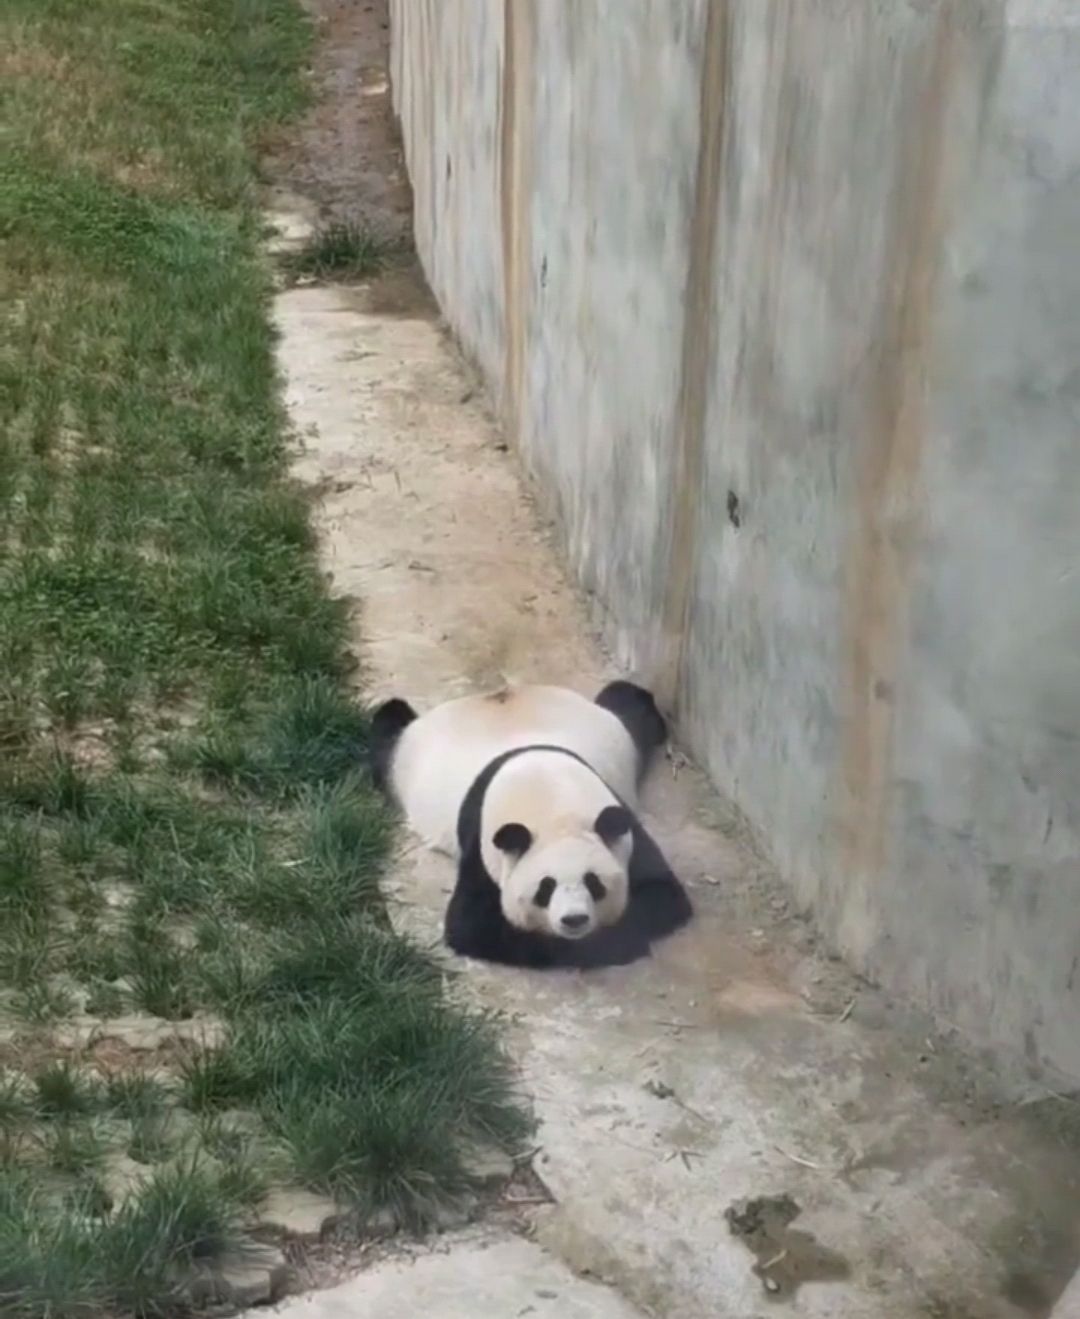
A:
(743, 1065)
(345, 156)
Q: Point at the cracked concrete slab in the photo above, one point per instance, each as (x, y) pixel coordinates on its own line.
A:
(470, 1278)
(740, 1064)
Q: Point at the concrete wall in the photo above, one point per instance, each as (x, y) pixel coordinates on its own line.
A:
(781, 302)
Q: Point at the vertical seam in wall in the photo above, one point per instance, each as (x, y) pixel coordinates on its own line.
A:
(886, 534)
(696, 357)
(433, 43)
(782, 93)
(515, 158)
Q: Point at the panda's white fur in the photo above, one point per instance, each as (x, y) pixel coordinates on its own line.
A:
(440, 754)
(560, 799)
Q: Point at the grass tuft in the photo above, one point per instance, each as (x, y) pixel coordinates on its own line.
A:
(151, 1139)
(43, 1002)
(16, 1102)
(158, 975)
(344, 250)
(135, 1096)
(306, 733)
(74, 1147)
(23, 888)
(62, 1091)
(82, 1260)
(185, 1213)
(214, 1080)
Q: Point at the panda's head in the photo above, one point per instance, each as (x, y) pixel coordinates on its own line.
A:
(567, 881)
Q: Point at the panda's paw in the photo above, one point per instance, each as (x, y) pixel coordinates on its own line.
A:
(486, 937)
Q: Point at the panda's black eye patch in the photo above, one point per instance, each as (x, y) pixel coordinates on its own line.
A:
(545, 892)
(595, 885)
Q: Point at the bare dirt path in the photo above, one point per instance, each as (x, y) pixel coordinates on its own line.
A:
(736, 1121)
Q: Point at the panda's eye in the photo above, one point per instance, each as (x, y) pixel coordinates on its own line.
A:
(544, 892)
(595, 885)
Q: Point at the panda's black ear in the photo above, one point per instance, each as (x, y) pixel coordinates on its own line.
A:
(513, 838)
(613, 823)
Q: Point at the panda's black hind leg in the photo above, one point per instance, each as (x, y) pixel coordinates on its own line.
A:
(636, 710)
(387, 725)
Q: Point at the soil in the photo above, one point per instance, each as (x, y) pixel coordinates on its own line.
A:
(345, 156)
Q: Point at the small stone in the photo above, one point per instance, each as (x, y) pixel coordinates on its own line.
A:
(457, 1214)
(382, 1223)
(253, 1274)
(117, 896)
(138, 1032)
(121, 1176)
(297, 1212)
(488, 1166)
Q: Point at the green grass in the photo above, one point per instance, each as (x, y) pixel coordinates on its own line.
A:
(344, 251)
(135, 1096)
(186, 829)
(73, 1147)
(128, 1259)
(62, 1091)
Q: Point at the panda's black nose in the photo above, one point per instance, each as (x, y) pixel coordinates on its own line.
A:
(576, 921)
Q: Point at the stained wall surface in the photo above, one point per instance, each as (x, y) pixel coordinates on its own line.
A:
(781, 305)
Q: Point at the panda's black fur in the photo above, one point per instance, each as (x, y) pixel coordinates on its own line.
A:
(475, 925)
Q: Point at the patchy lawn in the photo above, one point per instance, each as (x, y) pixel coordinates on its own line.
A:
(200, 994)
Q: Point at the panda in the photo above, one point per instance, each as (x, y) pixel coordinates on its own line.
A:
(533, 790)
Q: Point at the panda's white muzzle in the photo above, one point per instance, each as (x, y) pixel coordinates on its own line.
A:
(571, 914)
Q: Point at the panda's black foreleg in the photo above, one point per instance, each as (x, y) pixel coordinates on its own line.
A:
(658, 904)
(476, 927)
(661, 907)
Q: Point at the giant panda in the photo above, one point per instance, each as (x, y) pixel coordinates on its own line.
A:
(534, 790)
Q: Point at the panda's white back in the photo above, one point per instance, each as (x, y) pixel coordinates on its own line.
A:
(443, 751)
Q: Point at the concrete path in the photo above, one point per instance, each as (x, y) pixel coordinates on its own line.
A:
(736, 1122)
